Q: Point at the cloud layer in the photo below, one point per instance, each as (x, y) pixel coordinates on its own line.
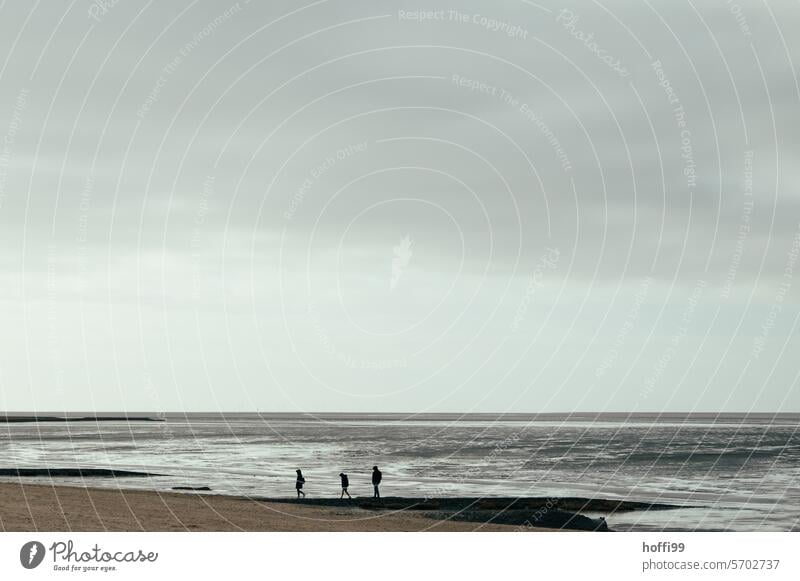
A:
(523, 206)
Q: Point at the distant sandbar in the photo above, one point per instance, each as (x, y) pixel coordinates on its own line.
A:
(72, 473)
(6, 419)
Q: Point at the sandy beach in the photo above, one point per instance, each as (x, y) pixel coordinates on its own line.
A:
(40, 507)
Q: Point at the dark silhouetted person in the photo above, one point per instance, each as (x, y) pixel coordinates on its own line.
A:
(299, 484)
(345, 484)
(376, 480)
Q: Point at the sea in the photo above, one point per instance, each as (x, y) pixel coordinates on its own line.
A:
(727, 472)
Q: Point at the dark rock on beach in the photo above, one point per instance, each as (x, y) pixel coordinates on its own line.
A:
(529, 512)
(495, 504)
(532, 504)
(542, 518)
(192, 488)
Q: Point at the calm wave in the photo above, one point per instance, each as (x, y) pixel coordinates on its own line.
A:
(733, 472)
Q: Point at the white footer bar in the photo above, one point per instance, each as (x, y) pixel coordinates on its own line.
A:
(371, 556)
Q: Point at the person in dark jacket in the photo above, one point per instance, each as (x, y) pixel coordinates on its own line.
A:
(376, 480)
(345, 484)
(299, 484)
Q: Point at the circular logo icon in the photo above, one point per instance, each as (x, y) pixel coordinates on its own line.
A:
(31, 554)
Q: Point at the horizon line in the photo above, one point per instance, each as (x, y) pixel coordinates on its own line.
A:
(157, 413)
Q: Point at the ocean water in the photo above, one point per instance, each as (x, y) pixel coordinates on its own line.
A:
(729, 472)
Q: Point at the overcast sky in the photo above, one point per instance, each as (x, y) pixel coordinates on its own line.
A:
(387, 206)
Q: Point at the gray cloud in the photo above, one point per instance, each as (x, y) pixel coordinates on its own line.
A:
(231, 181)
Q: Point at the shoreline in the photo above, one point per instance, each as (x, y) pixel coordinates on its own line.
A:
(47, 507)
(28, 506)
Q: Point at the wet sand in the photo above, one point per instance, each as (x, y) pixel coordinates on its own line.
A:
(42, 507)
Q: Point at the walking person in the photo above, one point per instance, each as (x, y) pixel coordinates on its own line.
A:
(299, 484)
(376, 480)
(345, 484)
